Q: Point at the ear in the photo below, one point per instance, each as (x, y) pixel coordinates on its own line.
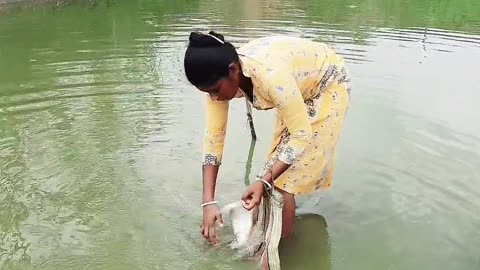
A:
(233, 69)
(234, 72)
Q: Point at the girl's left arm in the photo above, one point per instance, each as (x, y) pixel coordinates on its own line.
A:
(288, 100)
(284, 93)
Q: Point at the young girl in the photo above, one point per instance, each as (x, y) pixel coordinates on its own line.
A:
(307, 84)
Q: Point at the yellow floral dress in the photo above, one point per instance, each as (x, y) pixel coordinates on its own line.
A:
(309, 86)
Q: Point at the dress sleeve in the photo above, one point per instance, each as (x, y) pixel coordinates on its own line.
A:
(215, 129)
(284, 93)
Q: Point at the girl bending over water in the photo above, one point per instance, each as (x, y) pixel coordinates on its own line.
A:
(308, 85)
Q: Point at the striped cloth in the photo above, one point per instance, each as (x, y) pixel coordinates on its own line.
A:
(257, 233)
(269, 221)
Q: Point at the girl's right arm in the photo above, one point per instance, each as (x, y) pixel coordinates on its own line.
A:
(210, 173)
(211, 212)
(214, 138)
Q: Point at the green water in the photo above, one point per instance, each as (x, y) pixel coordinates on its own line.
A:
(100, 135)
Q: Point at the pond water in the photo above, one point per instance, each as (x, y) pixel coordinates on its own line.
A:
(100, 135)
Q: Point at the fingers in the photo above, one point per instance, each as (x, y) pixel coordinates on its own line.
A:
(205, 232)
(213, 237)
(211, 215)
(219, 219)
(254, 202)
(249, 204)
(252, 196)
(208, 232)
(246, 195)
(247, 199)
(245, 203)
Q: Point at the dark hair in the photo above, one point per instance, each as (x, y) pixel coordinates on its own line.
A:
(207, 58)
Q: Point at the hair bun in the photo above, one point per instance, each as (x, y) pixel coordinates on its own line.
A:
(198, 39)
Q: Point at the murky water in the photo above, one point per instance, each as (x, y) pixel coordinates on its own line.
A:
(100, 135)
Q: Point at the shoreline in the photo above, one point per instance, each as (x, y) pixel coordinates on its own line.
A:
(6, 5)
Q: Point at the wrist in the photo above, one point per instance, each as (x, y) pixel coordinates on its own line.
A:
(266, 184)
(267, 177)
(207, 199)
(205, 204)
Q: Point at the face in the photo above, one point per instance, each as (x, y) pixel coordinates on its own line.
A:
(226, 88)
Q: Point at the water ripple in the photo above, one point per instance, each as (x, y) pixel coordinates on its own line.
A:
(100, 135)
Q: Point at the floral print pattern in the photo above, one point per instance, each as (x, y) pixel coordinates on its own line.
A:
(309, 86)
(310, 108)
(210, 160)
(313, 168)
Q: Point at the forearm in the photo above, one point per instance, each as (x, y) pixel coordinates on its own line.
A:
(277, 169)
(210, 173)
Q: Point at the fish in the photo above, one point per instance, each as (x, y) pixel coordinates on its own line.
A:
(241, 221)
(257, 232)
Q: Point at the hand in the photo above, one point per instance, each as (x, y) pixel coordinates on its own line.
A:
(253, 195)
(211, 214)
